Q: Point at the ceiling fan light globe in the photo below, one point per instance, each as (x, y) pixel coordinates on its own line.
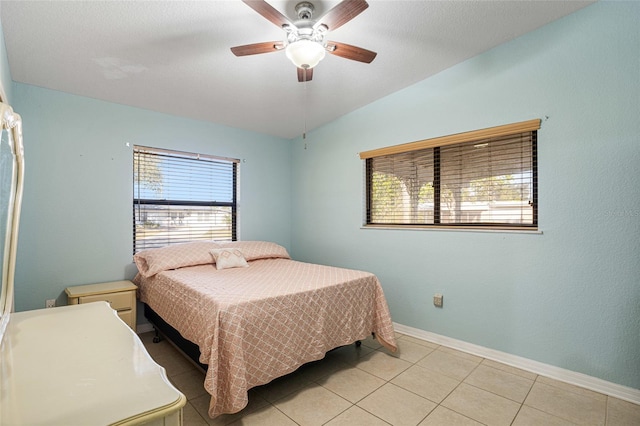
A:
(305, 53)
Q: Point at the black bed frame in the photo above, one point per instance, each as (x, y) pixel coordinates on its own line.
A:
(163, 329)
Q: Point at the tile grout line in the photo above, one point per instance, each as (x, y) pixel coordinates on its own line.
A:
(415, 364)
(524, 399)
(453, 390)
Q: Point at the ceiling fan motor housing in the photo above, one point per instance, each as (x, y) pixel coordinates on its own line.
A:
(304, 10)
(305, 28)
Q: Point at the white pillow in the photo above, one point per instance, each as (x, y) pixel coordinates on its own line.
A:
(152, 261)
(253, 250)
(229, 258)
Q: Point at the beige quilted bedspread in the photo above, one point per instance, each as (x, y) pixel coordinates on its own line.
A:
(258, 323)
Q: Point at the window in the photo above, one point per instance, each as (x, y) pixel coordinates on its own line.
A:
(180, 197)
(484, 178)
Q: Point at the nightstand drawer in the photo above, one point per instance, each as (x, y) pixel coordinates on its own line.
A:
(121, 295)
(119, 301)
(127, 317)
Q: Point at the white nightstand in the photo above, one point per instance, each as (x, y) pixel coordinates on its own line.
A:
(121, 295)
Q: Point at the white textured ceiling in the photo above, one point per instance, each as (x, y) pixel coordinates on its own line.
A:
(174, 57)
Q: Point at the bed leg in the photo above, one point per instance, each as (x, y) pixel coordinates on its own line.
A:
(359, 342)
(157, 338)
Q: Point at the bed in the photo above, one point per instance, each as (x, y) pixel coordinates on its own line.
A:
(254, 313)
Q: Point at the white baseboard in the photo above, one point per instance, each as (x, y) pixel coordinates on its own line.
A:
(144, 328)
(592, 383)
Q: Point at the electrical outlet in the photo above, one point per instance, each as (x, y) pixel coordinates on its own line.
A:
(50, 303)
(437, 300)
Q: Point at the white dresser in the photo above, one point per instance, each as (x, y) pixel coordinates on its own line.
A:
(81, 365)
(74, 365)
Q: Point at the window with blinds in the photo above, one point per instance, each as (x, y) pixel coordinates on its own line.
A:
(180, 197)
(484, 178)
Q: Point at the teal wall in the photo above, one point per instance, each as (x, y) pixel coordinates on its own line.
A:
(5, 73)
(76, 223)
(569, 297)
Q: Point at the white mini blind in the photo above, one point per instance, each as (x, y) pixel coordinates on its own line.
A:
(180, 197)
(472, 182)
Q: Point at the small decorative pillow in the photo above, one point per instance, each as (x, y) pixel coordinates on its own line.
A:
(229, 258)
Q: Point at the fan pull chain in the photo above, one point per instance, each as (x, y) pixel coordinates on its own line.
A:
(304, 132)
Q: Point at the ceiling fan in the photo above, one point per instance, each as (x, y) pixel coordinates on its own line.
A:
(305, 43)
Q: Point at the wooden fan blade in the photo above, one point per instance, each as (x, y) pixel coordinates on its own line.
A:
(350, 52)
(256, 48)
(301, 74)
(268, 12)
(342, 13)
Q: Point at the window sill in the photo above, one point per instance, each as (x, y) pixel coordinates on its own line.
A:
(489, 229)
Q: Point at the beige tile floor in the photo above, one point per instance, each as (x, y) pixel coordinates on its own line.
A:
(422, 384)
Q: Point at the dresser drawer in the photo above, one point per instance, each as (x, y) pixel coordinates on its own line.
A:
(119, 301)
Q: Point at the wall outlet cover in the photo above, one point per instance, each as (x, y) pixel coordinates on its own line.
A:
(437, 300)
